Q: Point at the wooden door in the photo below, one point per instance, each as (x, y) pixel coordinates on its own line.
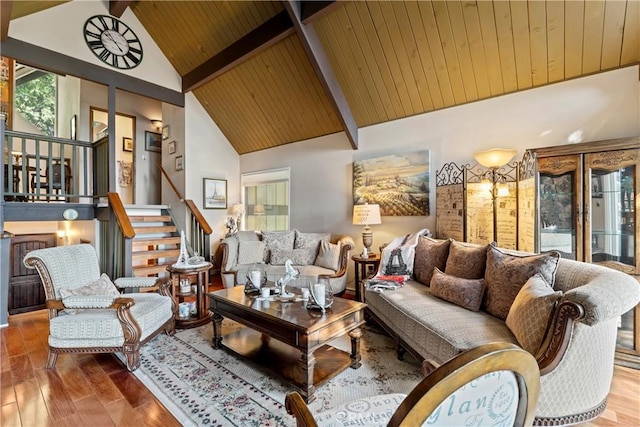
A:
(26, 292)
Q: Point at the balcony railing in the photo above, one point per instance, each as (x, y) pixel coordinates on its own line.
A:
(45, 168)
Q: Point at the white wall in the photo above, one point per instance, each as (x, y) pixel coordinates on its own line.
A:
(602, 106)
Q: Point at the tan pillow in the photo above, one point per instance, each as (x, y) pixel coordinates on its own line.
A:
(530, 312)
(466, 293)
(250, 251)
(101, 286)
(277, 240)
(507, 273)
(466, 260)
(430, 253)
(328, 256)
(309, 242)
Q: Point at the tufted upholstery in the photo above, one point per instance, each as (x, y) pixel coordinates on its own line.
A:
(104, 323)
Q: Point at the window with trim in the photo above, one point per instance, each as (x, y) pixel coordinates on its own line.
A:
(265, 196)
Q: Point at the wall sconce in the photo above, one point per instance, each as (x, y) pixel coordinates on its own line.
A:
(157, 124)
(493, 179)
(63, 236)
(366, 215)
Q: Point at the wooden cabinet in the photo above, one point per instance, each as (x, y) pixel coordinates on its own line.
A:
(588, 211)
(26, 292)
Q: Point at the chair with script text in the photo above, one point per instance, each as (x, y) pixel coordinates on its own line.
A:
(493, 384)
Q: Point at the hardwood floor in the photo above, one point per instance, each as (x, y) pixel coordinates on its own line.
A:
(96, 390)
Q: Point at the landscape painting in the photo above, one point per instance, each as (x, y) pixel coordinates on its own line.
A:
(399, 183)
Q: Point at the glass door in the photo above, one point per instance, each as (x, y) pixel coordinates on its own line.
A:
(560, 214)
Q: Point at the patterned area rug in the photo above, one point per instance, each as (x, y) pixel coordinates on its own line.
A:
(203, 386)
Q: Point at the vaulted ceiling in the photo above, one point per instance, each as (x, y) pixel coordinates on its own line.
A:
(272, 73)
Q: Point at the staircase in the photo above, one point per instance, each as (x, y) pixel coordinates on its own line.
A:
(157, 241)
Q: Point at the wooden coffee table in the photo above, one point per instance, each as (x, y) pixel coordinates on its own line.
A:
(287, 338)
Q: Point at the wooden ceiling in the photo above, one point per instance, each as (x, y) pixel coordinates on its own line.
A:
(388, 60)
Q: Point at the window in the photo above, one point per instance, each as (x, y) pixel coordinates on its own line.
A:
(266, 200)
(35, 98)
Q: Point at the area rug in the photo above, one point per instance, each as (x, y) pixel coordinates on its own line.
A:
(203, 386)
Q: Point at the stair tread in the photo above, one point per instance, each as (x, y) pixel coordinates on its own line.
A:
(155, 229)
(158, 253)
(150, 218)
(170, 240)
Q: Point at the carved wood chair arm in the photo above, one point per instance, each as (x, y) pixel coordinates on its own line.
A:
(295, 406)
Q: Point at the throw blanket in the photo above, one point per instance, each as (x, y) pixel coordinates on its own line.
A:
(397, 256)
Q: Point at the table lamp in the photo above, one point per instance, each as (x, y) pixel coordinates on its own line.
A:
(366, 215)
(238, 210)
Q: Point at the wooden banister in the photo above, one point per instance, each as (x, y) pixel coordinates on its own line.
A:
(206, 228)
(175, 189)
(121, 215)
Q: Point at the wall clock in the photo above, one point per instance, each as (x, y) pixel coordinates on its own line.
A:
(113, 42)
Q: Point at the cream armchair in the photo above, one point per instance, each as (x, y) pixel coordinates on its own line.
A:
(493, 384)
(87, 313)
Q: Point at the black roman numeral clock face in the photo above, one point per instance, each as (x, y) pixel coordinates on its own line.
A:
(113, 42)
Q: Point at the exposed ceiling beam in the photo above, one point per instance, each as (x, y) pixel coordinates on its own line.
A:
(312, 9)
(322, 67)
(117, 7)
(5, 18)
(267, 34)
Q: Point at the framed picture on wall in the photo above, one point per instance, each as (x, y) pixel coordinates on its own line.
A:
(165, 132)
(172, 147)
(215, 193)
(152, 141)
(179, 165)
(127, 144)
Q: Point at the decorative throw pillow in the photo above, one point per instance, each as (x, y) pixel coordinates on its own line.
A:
(328, 256)
(297, 256)
(430, 253)
(277, 239)
(310, 242)
(466, 293)
(246, 235)
(466, 260)
(250, 251)
(530, 312)
(507, 273)
(101, 286)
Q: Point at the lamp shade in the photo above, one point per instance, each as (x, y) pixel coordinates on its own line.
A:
(495, 157)
(258, 209)
(237, 209)
(366, 215)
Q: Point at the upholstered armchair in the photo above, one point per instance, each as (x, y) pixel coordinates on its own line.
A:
(493, 384)
(88, 313)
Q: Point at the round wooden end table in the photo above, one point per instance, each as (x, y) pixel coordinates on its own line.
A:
(199, 273)
(361, 271)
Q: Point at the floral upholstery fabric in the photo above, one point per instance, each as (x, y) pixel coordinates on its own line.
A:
(430, 253)
(466, 260)
(328, 256)
(311, 243)
(297, 256)
(467, 293)
(277, 240)
(250, 252)
(507, 273)
(530, 312)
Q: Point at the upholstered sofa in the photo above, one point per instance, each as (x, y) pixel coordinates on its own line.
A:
(564, 312)
(314, 255)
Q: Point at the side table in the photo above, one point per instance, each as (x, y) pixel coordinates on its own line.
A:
(201, 273)
(361, 264)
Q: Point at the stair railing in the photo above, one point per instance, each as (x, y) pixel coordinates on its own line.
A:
(118, 244)
(199, 231)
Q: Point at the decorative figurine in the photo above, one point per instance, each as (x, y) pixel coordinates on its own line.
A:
(290, 273)
(183, 258)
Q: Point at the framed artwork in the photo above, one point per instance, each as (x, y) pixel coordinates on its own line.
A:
(127, 144)
(172, 147)
(74, 127)
(179, 165)
(152, 141)
(165, 132)
(399, 183)
(214, 193)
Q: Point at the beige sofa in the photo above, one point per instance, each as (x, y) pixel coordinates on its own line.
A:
(577, 333)
(315, 255)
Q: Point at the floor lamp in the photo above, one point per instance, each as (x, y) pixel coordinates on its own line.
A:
(494, 159)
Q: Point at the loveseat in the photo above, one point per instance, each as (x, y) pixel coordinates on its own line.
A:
(564, 312)
(315, 255)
